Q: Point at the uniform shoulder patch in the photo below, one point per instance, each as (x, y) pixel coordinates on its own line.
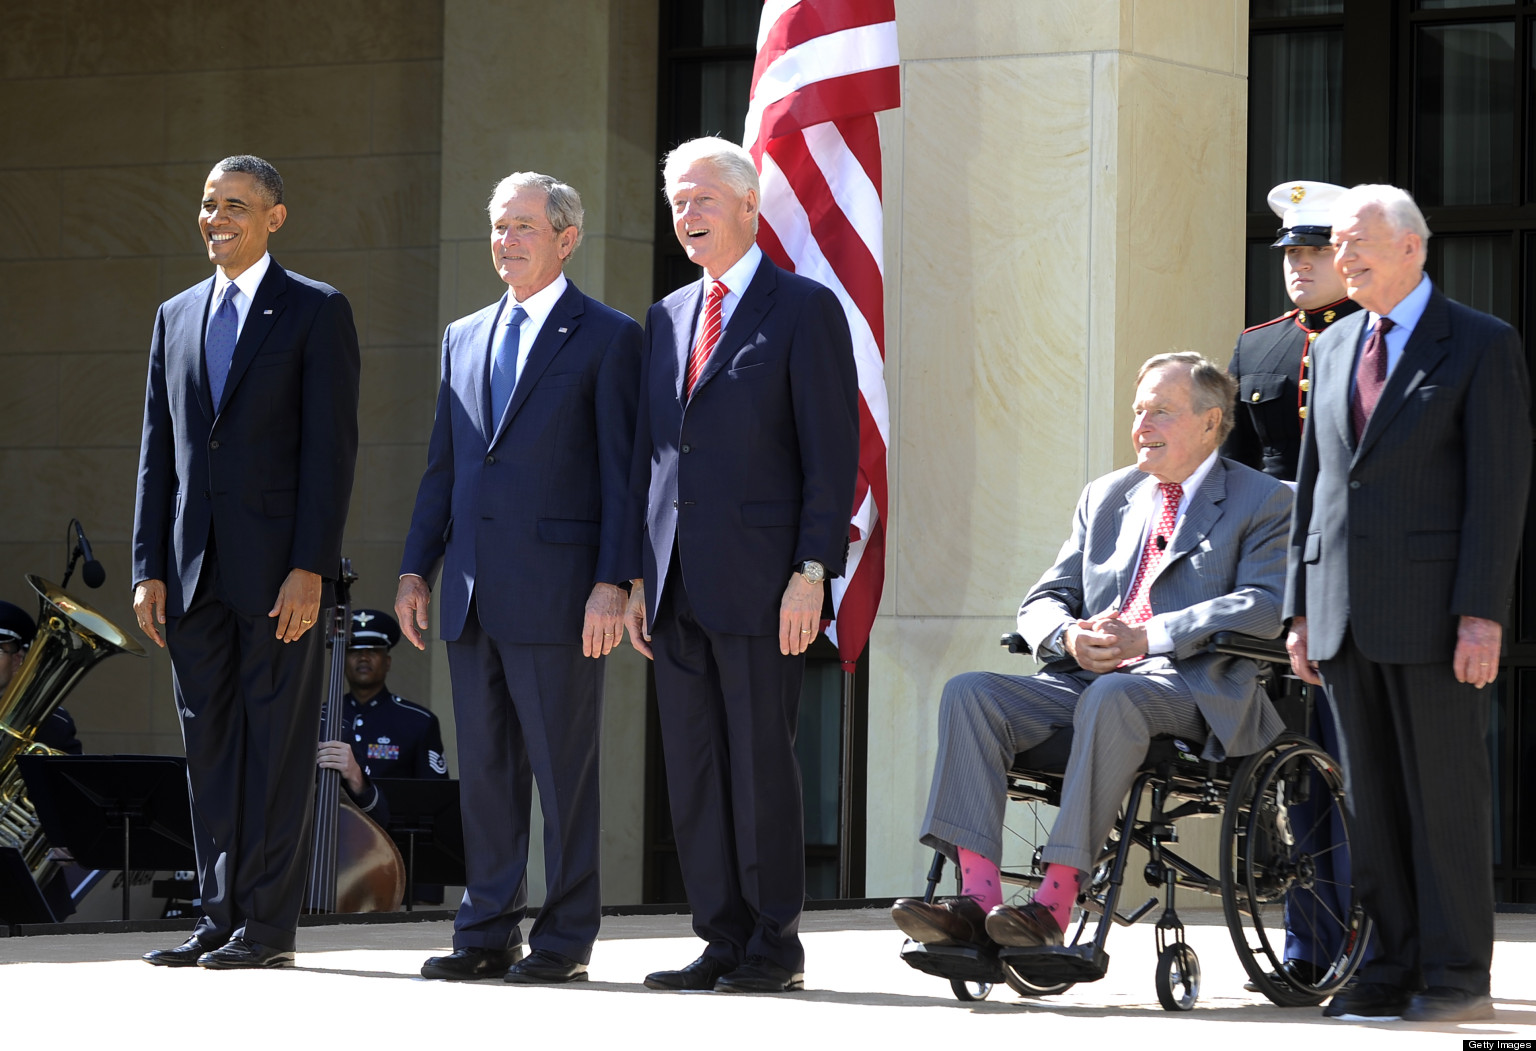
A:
(437, 761)
(1288, 315)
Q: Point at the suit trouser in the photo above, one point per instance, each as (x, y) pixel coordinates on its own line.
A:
(249, 707)
(527, 714)
(985, 719)
(1418, 785)
(728, 706)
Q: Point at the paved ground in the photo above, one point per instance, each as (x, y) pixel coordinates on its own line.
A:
(357, 985)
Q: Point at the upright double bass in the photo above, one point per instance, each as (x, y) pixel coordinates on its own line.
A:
(354, 865)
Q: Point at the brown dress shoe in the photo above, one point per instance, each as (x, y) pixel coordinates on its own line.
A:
(1023, 925)
(952, 921)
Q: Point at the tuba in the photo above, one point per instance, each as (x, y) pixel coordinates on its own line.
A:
(71, 639)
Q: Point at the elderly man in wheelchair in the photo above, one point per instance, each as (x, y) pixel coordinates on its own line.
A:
(1163, 556)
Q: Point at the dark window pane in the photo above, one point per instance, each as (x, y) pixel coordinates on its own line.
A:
(1287, 8)
(1464, 121)
(1474, 269)
(1266, 296)
(1446, 5)
(1295, 110)
(714, 23)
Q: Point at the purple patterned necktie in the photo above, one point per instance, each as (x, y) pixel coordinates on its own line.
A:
(1371, 376)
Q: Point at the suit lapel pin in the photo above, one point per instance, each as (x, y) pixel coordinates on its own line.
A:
(562, 329)
(266, 311)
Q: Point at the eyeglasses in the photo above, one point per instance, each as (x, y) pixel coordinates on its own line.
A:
(10, 646)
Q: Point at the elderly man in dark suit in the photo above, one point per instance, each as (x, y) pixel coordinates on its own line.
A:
(245, 471)
(1163, 554)
(521, 510)
(745, 457)
(1411, 493)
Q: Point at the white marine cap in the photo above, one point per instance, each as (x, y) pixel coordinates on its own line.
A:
(1305, 210)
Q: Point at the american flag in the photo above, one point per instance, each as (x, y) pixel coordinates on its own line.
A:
(824, 69)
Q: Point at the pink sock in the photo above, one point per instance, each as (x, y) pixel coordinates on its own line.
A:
(1058, 891)
(979, 879)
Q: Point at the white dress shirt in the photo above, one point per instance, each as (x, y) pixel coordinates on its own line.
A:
(245, 293)
(537, 307)
(736, 279)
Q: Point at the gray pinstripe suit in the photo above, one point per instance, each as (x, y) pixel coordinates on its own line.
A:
(1224, 570)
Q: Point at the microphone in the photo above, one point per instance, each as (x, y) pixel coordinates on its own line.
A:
(1160, 540)
(92, 572)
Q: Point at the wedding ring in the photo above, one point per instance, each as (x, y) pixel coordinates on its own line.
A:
(805, 631)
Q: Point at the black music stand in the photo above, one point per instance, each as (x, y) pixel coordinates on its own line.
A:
(21, 899)
(425, 824)
(114, 811)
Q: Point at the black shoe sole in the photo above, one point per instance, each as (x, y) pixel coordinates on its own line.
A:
(794, 986)
(164, 961)
(270, 965)
(524, 979)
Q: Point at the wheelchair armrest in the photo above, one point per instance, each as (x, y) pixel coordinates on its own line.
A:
(1015, 643)
(1251, 646)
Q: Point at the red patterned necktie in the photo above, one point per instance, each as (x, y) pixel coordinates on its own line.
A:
(708, 336)
(1370, 377)
(1139, 609)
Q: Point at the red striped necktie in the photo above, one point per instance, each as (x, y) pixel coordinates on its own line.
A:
(708, 337)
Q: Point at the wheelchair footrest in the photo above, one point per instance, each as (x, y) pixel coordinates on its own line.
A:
(953, 961)
(1050, 964)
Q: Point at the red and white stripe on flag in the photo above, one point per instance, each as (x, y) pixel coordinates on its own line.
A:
(824, 69)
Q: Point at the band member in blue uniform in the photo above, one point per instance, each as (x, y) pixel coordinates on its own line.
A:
(389, 736)
(1272, 362)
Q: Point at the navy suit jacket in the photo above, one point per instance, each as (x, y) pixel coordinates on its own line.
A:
(1397, 536)
(532, 506)
(756, 471)
(268, 472)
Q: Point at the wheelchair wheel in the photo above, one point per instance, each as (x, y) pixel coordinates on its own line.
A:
(1285, 851)
(1178, 978)
(970, 992)
(1024, 987)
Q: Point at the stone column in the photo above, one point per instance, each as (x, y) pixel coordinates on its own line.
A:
(1063, 192)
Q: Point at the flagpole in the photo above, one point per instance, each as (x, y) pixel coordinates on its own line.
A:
(845, 807)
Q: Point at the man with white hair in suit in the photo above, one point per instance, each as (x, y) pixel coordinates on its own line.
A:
(1163, 555)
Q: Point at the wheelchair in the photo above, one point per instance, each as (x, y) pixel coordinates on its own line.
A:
(1272, 804)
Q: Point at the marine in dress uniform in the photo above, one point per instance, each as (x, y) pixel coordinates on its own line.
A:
(1272, 362)
(389, 736)
(1273, 368)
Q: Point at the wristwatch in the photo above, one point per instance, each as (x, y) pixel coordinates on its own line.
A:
(813, 571)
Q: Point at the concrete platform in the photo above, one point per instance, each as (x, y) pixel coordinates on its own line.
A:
(357, 985)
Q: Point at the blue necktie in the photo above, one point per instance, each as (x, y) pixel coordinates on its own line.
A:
(504, 364)
(220, 345)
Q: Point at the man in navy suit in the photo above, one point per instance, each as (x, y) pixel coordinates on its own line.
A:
(745, 456)
(521, 510)
(245, 471)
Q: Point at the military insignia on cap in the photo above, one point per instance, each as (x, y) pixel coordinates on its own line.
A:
(1297, 193)
(362, 617)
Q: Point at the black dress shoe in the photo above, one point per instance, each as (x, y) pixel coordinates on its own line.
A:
(471, 964)
(546, 968)
(1292, 972)
(761, 975)
(184, 955)
(1368, 1002)
(239, 954)
(952, 921)
(1441, 1003)
(699, 976)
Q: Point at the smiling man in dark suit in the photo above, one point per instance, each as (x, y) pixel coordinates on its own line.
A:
(745, 457)
(245, 471)
(521, 510)
(1410, 497)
